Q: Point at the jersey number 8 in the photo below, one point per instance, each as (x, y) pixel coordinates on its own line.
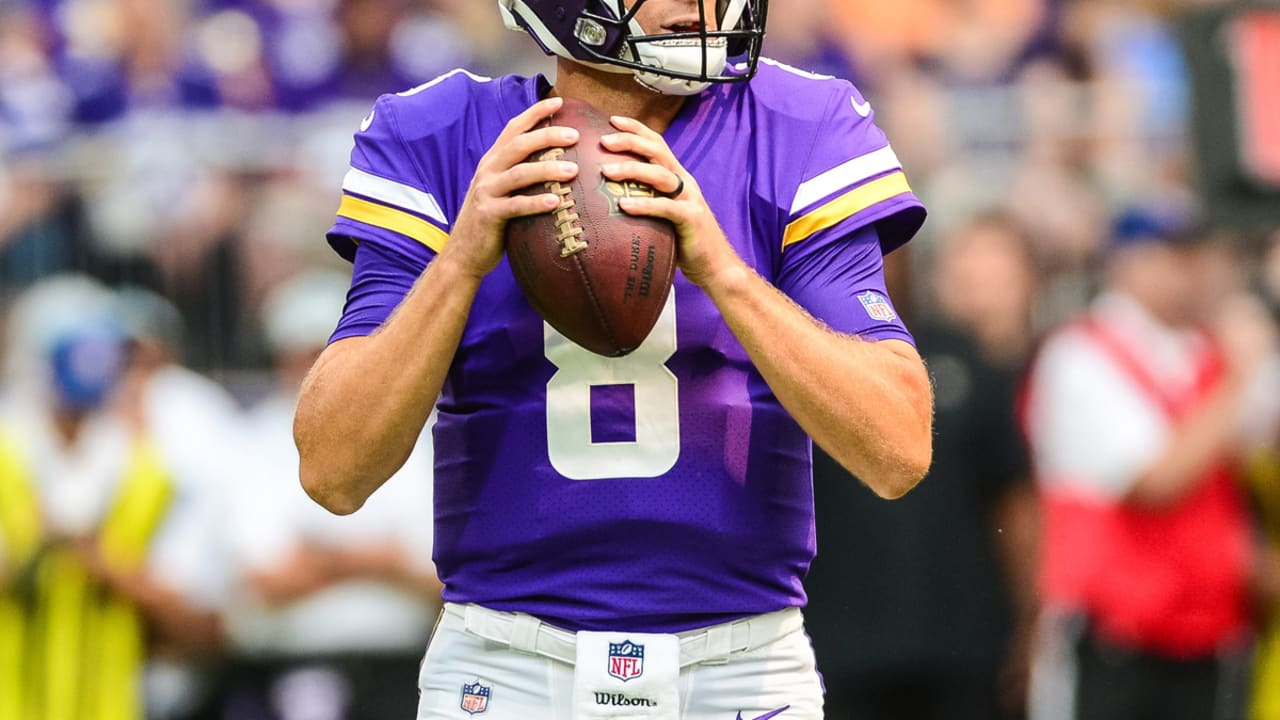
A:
(573, 451)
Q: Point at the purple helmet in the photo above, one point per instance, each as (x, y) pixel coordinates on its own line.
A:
(676, 61)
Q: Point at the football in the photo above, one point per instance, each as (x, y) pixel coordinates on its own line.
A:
(598, 276)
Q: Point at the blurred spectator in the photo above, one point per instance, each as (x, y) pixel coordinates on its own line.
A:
(333, 612)
(191, 421)
(321, 52)
(922, 608)
(1133, 420)
(985, 282)
(32, 121)
(119, 569)
(33, 102)
(120, 56)
(803, 37)
(1140, 93)
(973, 41)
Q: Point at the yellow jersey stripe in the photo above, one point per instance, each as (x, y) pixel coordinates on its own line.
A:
(850, 203)
(372, 213)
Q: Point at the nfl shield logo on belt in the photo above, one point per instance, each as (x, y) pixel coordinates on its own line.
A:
(626, 660)
(475, 697)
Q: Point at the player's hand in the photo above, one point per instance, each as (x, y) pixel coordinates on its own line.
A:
(476, 240)
(703, 252)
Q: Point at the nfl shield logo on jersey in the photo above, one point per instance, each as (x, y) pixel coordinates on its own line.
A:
(475, 697)
(877, 306)
(626, 660)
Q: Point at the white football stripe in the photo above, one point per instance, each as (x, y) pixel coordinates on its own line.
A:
(393, 193)
(846, 174)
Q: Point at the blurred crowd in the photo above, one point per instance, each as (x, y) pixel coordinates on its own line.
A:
(169, 168)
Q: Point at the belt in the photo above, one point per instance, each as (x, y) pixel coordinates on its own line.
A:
(710, 645)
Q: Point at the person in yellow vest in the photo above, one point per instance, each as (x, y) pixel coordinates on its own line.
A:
(100, 519)
(1264, 474)
(1264, 481)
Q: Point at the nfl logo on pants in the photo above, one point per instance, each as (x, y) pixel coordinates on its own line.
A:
(475, 697)
(626, 660)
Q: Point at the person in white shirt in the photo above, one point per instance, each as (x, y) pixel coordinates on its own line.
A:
(1133, 413)
(109, 483)
(333, 611)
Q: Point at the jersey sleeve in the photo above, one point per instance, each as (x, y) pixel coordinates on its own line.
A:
(842, 284)
(851, 178)
(380, 279)
(385, 200)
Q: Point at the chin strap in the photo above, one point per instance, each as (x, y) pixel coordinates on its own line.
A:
(683, 58)
(669, 85)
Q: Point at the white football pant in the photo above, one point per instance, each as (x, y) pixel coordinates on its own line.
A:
(488, 665)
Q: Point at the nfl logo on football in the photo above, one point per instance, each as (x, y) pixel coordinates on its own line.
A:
(626, 660)
(877, 306)
(475, 697)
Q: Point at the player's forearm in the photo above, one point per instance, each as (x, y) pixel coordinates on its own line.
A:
(868, 404)
(364, 404)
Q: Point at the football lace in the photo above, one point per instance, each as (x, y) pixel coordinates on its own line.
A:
(570, 231)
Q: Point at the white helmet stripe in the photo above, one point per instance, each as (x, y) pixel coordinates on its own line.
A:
(509, 20)
(518, 7)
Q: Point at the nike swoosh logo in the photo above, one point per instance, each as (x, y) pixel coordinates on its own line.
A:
(863, 108)
(769, 714)
(365, 123)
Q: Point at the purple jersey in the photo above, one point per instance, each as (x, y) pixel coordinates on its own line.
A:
(667, 489)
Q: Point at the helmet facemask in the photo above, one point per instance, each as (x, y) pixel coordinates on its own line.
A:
(605, 34)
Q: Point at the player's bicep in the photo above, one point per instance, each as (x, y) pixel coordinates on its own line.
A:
(841, 282)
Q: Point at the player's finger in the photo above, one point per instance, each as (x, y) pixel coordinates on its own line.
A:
(533, 173)
(631, 125)
(517, 149)
(655, 176)
(652, 143)
(653, 149)
(681, 214)
(522, 205)
(529, 119)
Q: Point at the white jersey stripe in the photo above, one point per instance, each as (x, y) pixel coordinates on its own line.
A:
(441, 78)
(844, 175)
(393, 193)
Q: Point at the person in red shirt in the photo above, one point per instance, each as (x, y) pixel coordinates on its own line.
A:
(1132, 413)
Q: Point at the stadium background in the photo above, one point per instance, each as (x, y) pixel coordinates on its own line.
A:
(195, 148)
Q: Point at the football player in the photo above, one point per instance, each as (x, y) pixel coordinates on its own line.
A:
(624, 536)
